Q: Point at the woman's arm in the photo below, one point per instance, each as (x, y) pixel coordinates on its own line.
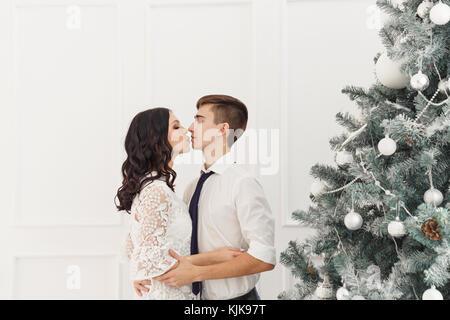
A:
(215, 256)
(202, 259)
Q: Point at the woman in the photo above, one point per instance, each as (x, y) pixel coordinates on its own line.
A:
(159, 219)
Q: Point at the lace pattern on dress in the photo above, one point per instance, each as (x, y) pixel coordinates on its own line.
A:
(127, 248)
(152, 216)
(159, 222)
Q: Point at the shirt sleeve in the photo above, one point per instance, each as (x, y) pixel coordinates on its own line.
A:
(255, 219)
(151, 251)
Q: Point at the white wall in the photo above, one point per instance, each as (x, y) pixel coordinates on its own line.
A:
(72, 80)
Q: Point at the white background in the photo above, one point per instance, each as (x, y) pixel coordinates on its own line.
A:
(71, 81)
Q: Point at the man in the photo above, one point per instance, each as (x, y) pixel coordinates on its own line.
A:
(228, 208)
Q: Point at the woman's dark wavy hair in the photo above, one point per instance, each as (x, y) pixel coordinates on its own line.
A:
(148, 149)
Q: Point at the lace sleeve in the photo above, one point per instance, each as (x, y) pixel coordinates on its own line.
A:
(127, 248)
(151, 252)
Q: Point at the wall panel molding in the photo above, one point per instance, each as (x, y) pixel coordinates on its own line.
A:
(18, 7)
(100, 255)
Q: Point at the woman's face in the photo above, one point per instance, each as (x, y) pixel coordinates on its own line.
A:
(177, 135)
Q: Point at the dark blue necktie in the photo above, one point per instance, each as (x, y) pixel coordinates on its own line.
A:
(193, 211)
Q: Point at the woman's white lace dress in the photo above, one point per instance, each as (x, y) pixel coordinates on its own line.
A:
(159, 221)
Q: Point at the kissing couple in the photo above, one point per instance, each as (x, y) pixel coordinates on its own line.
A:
(212, 244)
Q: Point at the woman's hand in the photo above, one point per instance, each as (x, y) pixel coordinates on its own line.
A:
(139, 285)
(226, 253)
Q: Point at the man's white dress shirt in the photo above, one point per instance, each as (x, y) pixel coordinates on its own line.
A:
(233, 211)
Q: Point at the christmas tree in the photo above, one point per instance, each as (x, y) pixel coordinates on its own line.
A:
(382, 212)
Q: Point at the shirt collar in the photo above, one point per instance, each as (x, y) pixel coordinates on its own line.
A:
(152, 174)
(224, 162)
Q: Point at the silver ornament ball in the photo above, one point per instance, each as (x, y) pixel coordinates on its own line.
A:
(433, 196)
(420, 81)
(424, 9)
(396, 228)
(432, 294)
(343, 158)
(387, 146)
(317, 187)
(342, 294)
(389, 74)
(440, 13)
(324, 291)
(353, 220)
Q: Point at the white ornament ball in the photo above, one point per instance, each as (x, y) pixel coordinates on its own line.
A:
(343, 158)
(396, 228)
(324, 291)
(440, 13)
(424, 9)
(389, 74)
(317, 187)
(342, 294)
(358, 297)
(432, 294)
(419, 81)
(353, 220)
(433, 196)
(387, 146)
(444, 85)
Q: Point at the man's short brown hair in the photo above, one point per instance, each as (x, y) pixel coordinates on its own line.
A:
(227, 109)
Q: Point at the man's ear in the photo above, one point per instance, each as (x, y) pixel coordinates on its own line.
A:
(224, 129)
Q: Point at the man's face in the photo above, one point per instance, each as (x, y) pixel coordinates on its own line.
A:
(203, 130)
